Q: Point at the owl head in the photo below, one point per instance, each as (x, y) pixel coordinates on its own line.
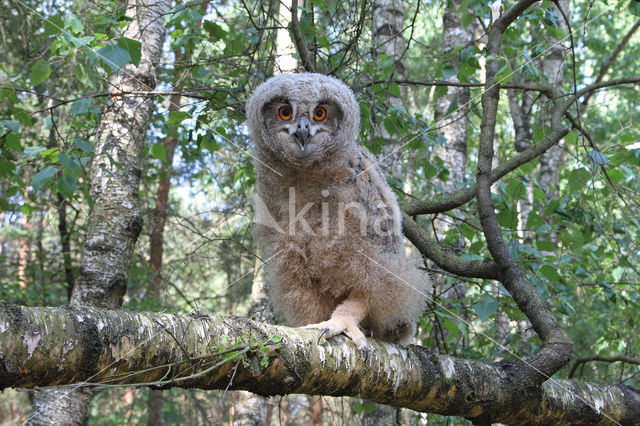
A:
(300, 119)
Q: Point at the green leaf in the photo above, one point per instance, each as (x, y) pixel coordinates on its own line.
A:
(507, 219)
(598, 158)
(453, 107)
(440, 92)
(133, 47)
(84, 146)
(81, 106)
(215, 31)
(67, 185)
(634, 7)
(53, 25)
(503, 76)
(23, 117)
(13, 142)
(550, 272)
(158, 151)
(40, 71)
(545, 245)
(73, 23)
(534, 220)
(556, 33)
(467, 231)
(449, 71)
(176, 117)
(80, 41)
(451, 327)
(69, 164)
(6, 167)
(275, 339)
(485, 307)
(12, 125)
(42, 177)
(114, 56)
(578, 179)
(32, 151)
(466, 19)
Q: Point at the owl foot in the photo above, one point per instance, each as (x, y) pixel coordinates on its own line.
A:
(342, 324)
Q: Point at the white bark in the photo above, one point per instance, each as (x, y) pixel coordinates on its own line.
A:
(553, 68)
(388, 25)
(115, 221)
(284, 60)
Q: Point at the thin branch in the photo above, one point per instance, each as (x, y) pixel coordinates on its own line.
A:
(622, 358)
(612, 58)
(538, 87)
(448, 261)
(298, 39)
(133, 93)
(463, 196)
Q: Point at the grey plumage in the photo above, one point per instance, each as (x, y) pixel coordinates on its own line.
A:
(327, 223)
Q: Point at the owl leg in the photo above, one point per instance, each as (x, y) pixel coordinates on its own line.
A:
(346, 319)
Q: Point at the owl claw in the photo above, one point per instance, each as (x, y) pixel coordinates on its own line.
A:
(348, 326)
(326, 330)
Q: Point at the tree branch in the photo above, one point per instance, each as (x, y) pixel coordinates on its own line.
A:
(556, 345)
(444, 259)
(612, 58)
(463, 196)
(74, 347)
(299, 40)
(580, 361)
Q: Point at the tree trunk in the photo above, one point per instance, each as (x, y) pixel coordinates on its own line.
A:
(284, 60)
(65, 244)
(454, 153)
(23, 247)
(114, 222)
(553, 68)
(70, 345)
(388, 25)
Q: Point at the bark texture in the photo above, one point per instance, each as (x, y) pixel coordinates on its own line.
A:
(115, 221)
(454, 124)
(388, 26)
(556, 345)
(78, 346)
(553, 68)
(453, 121)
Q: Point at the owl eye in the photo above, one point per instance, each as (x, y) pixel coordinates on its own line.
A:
(284, 112)
(320, 113)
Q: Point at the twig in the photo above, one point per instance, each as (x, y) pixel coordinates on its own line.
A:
(622, 358)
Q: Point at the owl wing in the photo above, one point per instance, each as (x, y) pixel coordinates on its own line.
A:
(383, 214)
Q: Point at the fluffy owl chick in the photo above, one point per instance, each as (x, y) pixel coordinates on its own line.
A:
(327, 223)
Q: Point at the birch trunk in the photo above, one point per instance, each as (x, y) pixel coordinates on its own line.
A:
(388, 26)
(454, 129)
(553, 68)
(115, 221)
(82, 345)
(251, 409)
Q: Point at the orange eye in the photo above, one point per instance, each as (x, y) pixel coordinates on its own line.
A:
(320, 113)
(284, 112)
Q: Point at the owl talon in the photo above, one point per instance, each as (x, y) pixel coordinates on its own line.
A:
(348, 326)
(326, 330)
(365, 352)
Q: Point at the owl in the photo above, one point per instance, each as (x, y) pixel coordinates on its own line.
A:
(327, 224)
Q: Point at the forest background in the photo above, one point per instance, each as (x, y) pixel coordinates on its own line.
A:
(530, 230)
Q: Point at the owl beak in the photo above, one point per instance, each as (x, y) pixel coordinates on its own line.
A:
(302, 132)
